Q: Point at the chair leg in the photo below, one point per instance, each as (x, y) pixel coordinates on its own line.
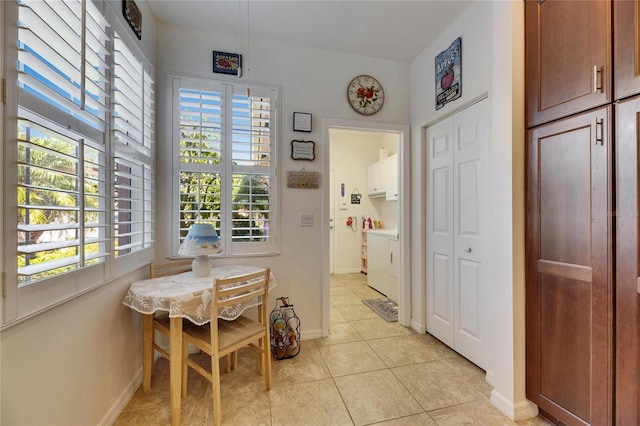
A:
(234, 358)
(215, 383)
(185, 365)
(227, 362)
(266, 356)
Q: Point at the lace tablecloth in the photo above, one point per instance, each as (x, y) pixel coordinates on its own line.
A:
(185, 296)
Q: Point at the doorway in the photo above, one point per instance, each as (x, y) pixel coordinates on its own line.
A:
(339, 192)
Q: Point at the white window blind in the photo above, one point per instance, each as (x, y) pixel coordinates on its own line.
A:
(226, 169)
(134, 136)
(62, 98)
(61, 203)
(62, 59)
(80, 166)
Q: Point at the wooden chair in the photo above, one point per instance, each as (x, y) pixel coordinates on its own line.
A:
(161, 321)
(223, 338)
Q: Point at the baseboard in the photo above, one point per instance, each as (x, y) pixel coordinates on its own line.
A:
(417, 327)
(118, 405)
(310, 334)
(347, 271)
(490, 377)
(519, 411)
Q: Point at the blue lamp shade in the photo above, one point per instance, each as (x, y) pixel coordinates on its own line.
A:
(201, 241)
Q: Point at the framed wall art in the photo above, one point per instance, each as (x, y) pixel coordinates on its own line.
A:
(449, 74)
(227, 63)
(301, 122)
(133, 16)
(303, 150)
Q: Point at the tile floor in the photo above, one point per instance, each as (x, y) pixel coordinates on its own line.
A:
(367, 371)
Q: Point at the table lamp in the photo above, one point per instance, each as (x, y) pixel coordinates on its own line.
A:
(201, 241)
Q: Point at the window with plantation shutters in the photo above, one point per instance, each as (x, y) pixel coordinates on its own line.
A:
(80, 166)
(62, 98)
(225, 150)
(133, 125)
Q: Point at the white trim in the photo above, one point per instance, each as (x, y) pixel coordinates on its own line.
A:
(516, 411)
(112, 414)
(404, 147)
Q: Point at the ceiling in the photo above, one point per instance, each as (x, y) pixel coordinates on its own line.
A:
(392, 29)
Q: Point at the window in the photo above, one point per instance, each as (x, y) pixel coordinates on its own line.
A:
(80, 164)
(134, 135)
(224, 144)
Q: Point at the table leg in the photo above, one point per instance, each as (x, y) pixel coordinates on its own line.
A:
(175, 369)
(147, 351)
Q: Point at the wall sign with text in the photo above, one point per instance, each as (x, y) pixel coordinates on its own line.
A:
(449, 74)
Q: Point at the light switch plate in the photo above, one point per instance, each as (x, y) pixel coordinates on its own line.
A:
(306, 219)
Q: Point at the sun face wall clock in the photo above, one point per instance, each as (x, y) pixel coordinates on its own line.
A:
(365, 95)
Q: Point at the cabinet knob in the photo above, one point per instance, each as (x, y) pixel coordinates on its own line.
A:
(468, 249)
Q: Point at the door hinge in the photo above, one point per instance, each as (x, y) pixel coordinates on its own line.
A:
(4, 90)
(4, 285)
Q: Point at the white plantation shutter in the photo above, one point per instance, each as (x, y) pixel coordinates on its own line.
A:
(63, 100)
(81, 164)
(62, 205)
(62, 60)
(225, 145)
(251, 168)
(133, 110)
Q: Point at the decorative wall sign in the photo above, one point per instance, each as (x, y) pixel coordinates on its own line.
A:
(449, 74)
(301, 122)
(133, 16)
(227, 63)
(355, 197)
(303, 150)
(303, 179)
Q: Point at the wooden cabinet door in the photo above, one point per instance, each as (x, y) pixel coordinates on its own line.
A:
(569, 335)
(568, 65)
(627, 268)
(626, 47)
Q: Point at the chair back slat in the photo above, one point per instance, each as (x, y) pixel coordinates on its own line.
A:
(234, 290)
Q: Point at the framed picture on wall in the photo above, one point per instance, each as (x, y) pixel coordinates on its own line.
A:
(301, 122)
(449, 74)
(227, 63)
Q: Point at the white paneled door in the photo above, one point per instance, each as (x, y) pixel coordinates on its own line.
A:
(457, 225)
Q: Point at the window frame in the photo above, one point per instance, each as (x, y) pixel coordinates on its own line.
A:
(229, 87)
(23, 302)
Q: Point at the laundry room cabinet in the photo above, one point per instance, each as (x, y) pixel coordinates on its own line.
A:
(582, 245)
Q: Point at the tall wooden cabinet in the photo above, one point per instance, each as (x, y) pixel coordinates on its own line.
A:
(582, 211)
(569, 295)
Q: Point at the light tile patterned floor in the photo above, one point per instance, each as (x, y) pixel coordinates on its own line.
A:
(367, 371)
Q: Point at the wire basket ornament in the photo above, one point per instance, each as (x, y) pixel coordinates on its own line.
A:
(285, 330)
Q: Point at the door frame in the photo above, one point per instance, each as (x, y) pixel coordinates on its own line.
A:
(404, 146)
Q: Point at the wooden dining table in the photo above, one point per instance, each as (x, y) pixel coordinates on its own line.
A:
(182, 296)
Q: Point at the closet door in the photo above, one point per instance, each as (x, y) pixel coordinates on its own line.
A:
(457, 232)
(626, 47)
(567, 45)
(627, 268)
(569, 273)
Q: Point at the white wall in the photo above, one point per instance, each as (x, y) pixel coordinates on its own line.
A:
(76, 363)
(492, 42)
(313, 81)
